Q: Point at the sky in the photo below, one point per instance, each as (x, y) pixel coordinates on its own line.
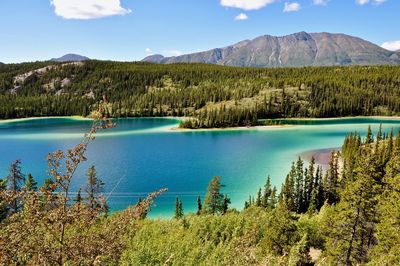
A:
(129, 30)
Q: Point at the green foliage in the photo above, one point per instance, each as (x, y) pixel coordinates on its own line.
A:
(214, 96)
(178, 209)
(299, 253)
(229, 239)
(303, 189)
(214, 201)
(93, 189)
(30, 183)
(199, 206)
(387, 249)
(281, 232)
(3, 204)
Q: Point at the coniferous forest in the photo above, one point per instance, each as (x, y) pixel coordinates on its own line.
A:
(211, 96)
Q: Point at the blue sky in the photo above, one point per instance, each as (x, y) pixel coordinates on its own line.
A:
(128, 30)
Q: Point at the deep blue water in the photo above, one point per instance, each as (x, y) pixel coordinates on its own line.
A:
(143, 155)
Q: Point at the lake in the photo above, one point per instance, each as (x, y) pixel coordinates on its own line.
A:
(142, 155)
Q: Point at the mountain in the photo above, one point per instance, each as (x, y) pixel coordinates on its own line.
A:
(70, 58)
(156, 58)
(298, 49)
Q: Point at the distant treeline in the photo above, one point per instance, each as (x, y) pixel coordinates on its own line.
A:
(214, 96)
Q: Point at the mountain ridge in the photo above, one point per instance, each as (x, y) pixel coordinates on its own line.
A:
(70, 58)
(294, 50)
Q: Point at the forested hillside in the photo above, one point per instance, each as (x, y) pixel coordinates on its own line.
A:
(214, 96)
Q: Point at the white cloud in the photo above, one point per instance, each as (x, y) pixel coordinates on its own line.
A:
(246, 4)
(88, 9)
(241, 16)
(148, 51)
(320, 2)
(291, 7)
(375, 2)
(391, 46)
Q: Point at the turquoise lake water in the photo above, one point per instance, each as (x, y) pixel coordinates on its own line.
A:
(143, 155)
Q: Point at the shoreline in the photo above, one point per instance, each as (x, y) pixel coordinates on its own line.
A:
(15, 120)
(338, 118)
(322, 156)
(78, 117)
(176, 128)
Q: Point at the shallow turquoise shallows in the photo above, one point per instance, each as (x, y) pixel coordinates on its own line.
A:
(144, 155)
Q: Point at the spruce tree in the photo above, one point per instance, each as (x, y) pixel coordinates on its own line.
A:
(352, 230)
(225, 204)
(214, 200)
(319, 188)
(78, 198)
(273, 199)
(258, 200)
(30, 184)
(331, 182)
(94, 186)
(369, 138)
(299, 186)
(288, 190)
(267, 192)
(15, 180)
(178, 209)
(309, 183)
(199, 206)
(387, 249)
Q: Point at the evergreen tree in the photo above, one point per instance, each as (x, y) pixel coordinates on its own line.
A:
(225, 204)
(280, 233)
(369, 138)
(258, 200)
(178, 209)
(199, 206)
(30, 183)
(387, 250)
(246, 204)
(15, 179)
(214, 200)
(299, 187)
(288, 190)
(352, 232)
(389, 148)
(313, 204)
(319, 189)
(309, 183)
(331, 183)
(267, 192)
(3, 205)
(94, 186)
(379, 135)
(78, 198)
(273, 199)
